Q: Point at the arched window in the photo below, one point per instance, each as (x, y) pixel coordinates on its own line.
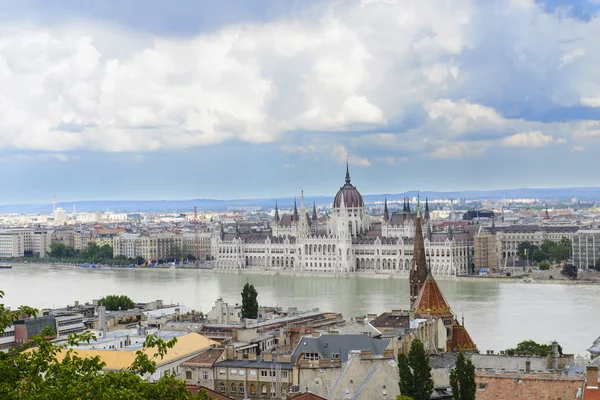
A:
(222, 387)
(233, 388)
(241, 388)
(264, 389)
(252, 388)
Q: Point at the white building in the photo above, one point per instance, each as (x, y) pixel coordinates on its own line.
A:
(348, 241)
(60, 215)
(7, 338)
(17, 242)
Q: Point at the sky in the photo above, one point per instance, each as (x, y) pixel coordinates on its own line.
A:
(113, 99)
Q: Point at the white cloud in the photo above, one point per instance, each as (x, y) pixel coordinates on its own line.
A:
(340, 155)
(529, 139)
(390, 160)
(96, 87)
(288, 166)
(458, 150)
(578, 148)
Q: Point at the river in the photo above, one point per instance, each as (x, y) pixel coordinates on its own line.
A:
(497, 314)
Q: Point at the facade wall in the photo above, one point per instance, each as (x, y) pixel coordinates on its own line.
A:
(255, 383)
(7, 338)
(586, 248)
(486, 252)
(12, 243)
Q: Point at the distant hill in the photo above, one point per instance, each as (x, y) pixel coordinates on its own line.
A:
(584, 194)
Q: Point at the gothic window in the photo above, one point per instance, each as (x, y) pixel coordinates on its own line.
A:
(264, 389)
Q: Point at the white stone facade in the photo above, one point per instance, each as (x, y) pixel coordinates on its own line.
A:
(340, 245)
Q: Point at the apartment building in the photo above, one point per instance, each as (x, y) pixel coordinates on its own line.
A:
(153, 246)
(486, 252)
(12, 243)
(21, 242)
(7, 338)
(188, 244)
(509, 237)
(586, 248)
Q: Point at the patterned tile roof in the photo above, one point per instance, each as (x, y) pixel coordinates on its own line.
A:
(461, 340)
(431, 302)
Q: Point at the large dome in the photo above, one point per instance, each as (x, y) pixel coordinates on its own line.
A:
(349, 193)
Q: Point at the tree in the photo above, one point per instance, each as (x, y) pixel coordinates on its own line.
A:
(533, 348)
(462, 379)
(544, 265)
(115, 302)
(414, 373)
(38, 374)
(176, 252)
(570, 271)
(249, 302)
(524, 248)
(402, 397)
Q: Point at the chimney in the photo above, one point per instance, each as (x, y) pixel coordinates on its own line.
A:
(267, 357)
(102, 319)
(528, 366)
(592, 376)
(240, 356)
(234, 335)
(230, 352)
(365, 354)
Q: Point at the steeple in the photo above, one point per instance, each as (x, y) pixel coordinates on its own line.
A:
(314, 213)
(276, 213)
(404, 205)
(302, 200)
(295, 216)
(546, 215)
(427, 216)
(418, 269)
(429, 232)
(494, 226)
(347, 173)
(408, 206)
(450, 232)
(386, 214)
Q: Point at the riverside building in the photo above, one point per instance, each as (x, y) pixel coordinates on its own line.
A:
(347, 241)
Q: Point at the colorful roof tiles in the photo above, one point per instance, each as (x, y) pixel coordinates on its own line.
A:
(430, 301)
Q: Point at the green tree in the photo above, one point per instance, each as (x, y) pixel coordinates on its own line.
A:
(115, 302)
(570, 271)
(524, 248)
(544, 265)
(402, 397)
(533, 348)
(249, 302)
(462, 379)
(176, 252)
(414, 373)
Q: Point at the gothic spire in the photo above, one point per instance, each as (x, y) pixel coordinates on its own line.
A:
(404, 205)
(450, 232)
(386, 214)
(295, 216)
(347, 173)
(314, 213)
(276, 212)
(302, 200)
(427, 216)
(418, 269)
(408, 205)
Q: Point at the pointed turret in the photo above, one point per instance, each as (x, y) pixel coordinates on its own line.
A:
(546, 215)
(404, 205)
(276, 218)
(295, 215)
(418, 269)
(450, 233)
(314, 213)
(429, 232)
(427, 216)
(302, 200)
(347, 173)
(222, 232)
(386, 214)
(408, 206)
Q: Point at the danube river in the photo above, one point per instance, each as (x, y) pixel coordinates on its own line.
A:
(498, 315)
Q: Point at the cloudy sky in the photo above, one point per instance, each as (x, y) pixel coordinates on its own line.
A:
(112, 99)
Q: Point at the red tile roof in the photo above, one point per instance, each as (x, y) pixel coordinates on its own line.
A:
(206, 359)
(193, 389)
(431, 302)
(461, 340)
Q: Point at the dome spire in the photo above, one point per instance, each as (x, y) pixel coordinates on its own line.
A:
(347, 172)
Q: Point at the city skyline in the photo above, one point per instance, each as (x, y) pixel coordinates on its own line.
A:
(262, 99)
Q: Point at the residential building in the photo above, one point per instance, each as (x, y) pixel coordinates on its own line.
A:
(223, 313)
(586, 248)
(155, 246)
(7, 338)
(199, 370)
(486, 252)
(25, 329)
(509, 237)
(495, 386)
(12, 242)
(188, 346)
(266, 376)
(188, 244)
(67, 324)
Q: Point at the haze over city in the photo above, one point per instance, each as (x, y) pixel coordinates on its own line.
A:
(110, 100)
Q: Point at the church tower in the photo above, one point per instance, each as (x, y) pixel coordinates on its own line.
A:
(418, 268)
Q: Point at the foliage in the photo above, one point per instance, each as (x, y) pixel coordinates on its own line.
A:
(569, 271)
(544, 265)
(55, 371)
(176, 252)
(533, 348)
(462, 379)
(414, 373)
(402, 397)
(115, 302)
(61, 250)
(249, 302)
(548, 251)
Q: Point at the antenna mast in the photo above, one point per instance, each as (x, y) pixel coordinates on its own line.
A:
(196, 239)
